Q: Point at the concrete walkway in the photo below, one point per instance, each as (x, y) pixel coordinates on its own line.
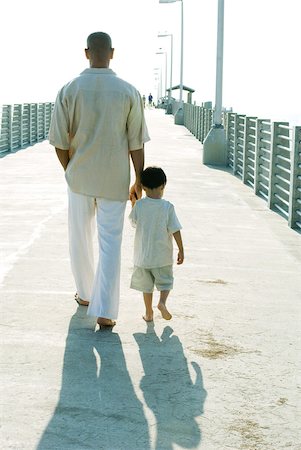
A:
(222, 374)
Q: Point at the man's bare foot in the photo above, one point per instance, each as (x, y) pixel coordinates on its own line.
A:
(164, 311)
(103, 322)
(148, 317)
(80, 301)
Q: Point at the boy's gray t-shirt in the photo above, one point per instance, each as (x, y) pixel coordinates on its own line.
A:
(155, 221)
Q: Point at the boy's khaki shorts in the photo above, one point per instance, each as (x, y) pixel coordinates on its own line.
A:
(144, 280)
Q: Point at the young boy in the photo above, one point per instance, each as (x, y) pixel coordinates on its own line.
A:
(156, 224)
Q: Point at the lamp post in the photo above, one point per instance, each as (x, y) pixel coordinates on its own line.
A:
(179, 116)
(169, 105)
(158, 77)
(164, 53)
(214, 147)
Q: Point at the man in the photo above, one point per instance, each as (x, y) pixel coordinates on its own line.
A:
(97, 123)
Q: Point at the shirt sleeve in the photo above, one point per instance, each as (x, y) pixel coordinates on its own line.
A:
(133, 216)
(173, 223)
(136, 126)
(59, 125)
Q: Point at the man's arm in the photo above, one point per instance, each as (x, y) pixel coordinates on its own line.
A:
(63, 156)
(137, 157)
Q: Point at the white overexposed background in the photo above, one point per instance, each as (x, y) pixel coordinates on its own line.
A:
(42, 47)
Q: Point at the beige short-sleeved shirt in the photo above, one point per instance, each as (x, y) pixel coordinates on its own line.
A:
(98, 118)
(155, 221)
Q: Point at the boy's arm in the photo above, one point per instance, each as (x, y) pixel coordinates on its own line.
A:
(178, 239)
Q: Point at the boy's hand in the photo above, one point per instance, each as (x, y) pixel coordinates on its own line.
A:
(180, 259)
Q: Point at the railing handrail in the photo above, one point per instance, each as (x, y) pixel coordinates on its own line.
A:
(266, 156)
(23, 124)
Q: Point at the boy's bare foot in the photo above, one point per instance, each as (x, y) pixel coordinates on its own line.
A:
(148, 317)
(164, 311)
(103, 322)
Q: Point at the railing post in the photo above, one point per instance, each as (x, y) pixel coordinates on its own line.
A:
(248, 149)
(30, 123)
(199, 123)
(294, 217)
(44, 120)
(37, 121)
(262, 127)
(10, 128)
(230, 137)
(238, 144)
(17, 114)
(235, 126)
(195, 109)
(21, 126)
(185, 114)
(202, 120)
(275, 141)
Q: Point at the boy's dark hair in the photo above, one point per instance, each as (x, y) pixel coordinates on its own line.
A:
(153, 177)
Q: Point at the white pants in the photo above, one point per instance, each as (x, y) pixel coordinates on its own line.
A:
(103, 288)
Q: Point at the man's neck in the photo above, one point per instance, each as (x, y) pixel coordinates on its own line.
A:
(99, 65)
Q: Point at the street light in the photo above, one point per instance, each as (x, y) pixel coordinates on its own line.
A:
(169, 106)
(158, 77)
(214, 147)
(164, 53)
(179, 116)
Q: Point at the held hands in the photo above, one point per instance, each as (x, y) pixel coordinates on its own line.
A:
(135, 193)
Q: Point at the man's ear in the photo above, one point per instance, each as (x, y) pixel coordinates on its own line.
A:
(87, 53)
(112, 53)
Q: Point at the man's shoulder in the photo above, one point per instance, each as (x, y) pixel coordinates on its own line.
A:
(126, 85)
(70, 84)
(112, 78)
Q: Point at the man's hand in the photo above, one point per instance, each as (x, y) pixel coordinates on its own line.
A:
(135, 193)
(63, 156)
(137, 157)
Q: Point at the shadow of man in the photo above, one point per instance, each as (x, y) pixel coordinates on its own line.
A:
(168, 389)
(98, 407)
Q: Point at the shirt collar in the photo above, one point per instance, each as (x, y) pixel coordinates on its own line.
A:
(104, 71)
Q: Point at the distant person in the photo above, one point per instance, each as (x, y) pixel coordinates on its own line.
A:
(156, 225)
(144, 100)
(150, 100)
(97, 124)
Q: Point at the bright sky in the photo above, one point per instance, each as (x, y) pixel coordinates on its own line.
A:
(42, 48)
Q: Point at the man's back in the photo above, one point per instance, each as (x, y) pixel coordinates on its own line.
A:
(98, 117)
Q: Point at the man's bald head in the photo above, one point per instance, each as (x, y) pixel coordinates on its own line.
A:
(99, 49)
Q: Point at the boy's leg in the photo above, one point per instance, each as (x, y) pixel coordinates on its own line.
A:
(148, 301)
(164, 283)
(162, 305)
(143, 280)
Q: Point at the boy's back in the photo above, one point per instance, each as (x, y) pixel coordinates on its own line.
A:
(155, 221)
